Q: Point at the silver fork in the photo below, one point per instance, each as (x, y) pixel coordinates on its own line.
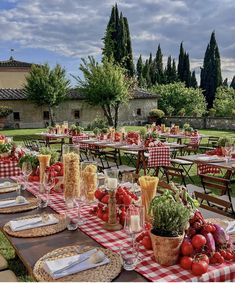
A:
(73, 263)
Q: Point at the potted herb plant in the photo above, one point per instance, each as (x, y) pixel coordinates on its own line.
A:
(170, 214)
(5, 149)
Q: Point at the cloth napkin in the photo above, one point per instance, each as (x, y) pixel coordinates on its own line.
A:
(230, 230)
(12, 202)
(6, 185)
(51, 266)
(24, 224)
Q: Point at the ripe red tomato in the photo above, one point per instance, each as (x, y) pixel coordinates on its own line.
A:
(204, 257)
(228, 256)
(186, 248)
(223, 253)
(198, 241)
(147, 243)
(105, 217)
(127, 200)
(208, 228)
(100, 213)
(186, 262)
(199, 267)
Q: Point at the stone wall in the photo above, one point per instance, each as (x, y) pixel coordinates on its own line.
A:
(214, 123)
(133, 113)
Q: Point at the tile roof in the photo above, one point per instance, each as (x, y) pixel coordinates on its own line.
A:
(14, 64)
(20, 94)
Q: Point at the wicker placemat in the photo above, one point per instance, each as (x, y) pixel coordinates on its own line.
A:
(104, 273)
(32, 204)
(13, 187)
(38, 231)
(223, 223)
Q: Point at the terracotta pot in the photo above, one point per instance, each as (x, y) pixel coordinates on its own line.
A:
(166, 249)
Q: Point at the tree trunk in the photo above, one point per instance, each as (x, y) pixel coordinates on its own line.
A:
(108, 115)
(51, 113)
(116, 109)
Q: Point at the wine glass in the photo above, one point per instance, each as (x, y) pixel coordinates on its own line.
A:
(48, 183)
(26, 170)
(228, 148)
(134, 221)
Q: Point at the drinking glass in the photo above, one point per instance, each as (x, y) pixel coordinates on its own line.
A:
(49, 183)
(127, 179)
(129, 256)
(134, 221)
(111, 178)
(26, 170)
(228, 148)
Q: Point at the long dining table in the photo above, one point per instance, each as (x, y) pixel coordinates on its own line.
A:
(139, 149)
(30, 250)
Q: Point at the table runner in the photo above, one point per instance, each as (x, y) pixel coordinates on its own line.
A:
(147, 267)
(9, 168)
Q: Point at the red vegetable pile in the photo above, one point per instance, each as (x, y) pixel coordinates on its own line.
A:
(124, 198)
(205, 243)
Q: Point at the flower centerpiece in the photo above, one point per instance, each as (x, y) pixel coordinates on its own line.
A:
(75, 130)
(170, 213)
(5, 149)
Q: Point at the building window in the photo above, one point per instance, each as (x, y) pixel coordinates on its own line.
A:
(46, 115)
(76, 114)
(16, 116)
(138, 112)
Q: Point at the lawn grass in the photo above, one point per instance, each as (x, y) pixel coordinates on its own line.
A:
(18, 135)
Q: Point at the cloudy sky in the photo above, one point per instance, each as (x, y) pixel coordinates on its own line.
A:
(63, 31)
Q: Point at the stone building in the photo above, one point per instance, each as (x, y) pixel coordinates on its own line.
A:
(75, 109)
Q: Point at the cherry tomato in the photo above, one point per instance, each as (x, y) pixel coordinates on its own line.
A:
(186, 248)
(229, 256)
(213, 228)
(217, 255)
(213, 260)
(220, 260)
(208, 228)
(198, 241)
(199, 267)
(186, 262)
(223, 253)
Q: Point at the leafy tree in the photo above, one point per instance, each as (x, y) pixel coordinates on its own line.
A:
(177, 95)
(117, 41)
(233, 83)
(211, 72)
(193, 80)
(45, 86)
(105, 85)
(224, 102)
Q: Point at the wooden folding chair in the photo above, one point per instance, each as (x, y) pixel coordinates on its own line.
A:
(221, 185)
(213, 203)
(172, 172)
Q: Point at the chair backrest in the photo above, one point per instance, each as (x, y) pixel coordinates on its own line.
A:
(159, 156)
(173, 172)
(213, 203)
(213, 141)
(211, 182)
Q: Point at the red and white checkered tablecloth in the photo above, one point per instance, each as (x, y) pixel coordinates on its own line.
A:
(9, 168)
(207, 169)
(77, 139)
(147, 267)
(159, 156)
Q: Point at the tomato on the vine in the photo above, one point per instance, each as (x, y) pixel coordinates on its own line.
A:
(199, 267)
(203, 257)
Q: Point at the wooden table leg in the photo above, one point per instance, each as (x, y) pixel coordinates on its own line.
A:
(141, 159)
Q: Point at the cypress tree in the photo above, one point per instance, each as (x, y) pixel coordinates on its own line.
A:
(186, 70)
(211, 71)
(225, 82)
(129, 55)
(146, 73)
(117, 41)
(174, 76)
(159, 66)
(181, 63)
(168, 70)
(193, 81)
(233, 83)
(139, 71)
